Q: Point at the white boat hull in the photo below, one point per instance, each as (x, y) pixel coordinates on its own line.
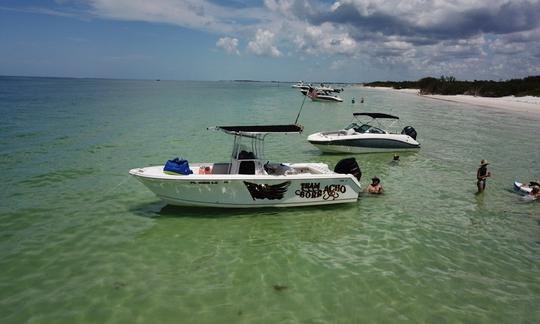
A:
(363, 143)
(360, 150)
(249, 191)
(327, 98)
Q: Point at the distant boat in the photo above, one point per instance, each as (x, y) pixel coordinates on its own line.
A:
(366, 137)
(323, 87)
(320, 88)
(316, 94)
(247, 181)
(301, 85)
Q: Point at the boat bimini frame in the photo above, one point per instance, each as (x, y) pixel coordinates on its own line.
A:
(248, 159)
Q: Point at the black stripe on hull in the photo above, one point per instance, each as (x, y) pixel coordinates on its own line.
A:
(369, 143)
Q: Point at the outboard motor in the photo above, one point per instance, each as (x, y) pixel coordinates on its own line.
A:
(409, 130)
(348, 166)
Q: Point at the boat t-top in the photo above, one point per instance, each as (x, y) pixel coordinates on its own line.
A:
(368, 136)
(249, 180)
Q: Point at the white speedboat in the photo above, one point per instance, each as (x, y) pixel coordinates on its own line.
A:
(301, 85)
(367, 137)
(317, 94)
(247, 181)
(323, 87)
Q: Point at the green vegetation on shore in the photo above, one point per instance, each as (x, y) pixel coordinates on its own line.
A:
(529, 86)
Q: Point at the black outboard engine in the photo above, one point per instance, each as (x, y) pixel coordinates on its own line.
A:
(409, 130)
(348, 166)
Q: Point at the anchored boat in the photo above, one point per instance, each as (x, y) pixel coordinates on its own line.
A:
(366, 137)
(320, 94)
(248, 181)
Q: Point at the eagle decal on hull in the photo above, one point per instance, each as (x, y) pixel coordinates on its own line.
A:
(265, 191)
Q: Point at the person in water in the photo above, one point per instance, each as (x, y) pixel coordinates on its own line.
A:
(481, 175)
(535, 192)
(395, 160)
(375, 187)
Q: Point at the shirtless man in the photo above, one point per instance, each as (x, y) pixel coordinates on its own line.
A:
(375, 187)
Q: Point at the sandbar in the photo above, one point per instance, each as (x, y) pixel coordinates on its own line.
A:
(526, 104)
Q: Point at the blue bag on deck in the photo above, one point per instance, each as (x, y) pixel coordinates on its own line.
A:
(177, 166)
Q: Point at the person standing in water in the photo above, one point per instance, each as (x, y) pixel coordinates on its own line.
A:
(375, 187)
(481, 175)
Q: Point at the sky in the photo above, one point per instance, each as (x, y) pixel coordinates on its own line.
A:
(283, 40)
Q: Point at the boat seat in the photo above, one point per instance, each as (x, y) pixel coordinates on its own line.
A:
(246, 167)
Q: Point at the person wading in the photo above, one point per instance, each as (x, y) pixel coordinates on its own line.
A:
(375, 187)
(481, 175)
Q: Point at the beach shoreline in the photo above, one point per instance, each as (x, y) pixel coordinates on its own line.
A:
(527, 104)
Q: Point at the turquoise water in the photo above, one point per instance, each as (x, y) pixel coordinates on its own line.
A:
(81, 241)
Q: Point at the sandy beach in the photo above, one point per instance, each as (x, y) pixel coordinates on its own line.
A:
(527, 104)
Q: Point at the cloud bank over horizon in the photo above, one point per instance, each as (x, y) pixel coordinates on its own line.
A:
(405, 39)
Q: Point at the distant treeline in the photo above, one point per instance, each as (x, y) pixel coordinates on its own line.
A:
(529, 86)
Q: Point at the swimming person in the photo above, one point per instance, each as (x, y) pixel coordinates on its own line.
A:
(481, 175)
(535, 192)
(395, 159)
(375, 187)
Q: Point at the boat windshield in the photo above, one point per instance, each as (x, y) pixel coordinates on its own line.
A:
(359, 129)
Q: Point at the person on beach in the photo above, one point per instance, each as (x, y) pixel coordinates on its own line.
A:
(481, 175)
(375, 187)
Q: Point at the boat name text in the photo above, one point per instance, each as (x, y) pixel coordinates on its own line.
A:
(313, 190)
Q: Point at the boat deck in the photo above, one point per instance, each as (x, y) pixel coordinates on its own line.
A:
(218, 169)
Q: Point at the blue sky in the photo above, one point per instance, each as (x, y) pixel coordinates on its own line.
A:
(315, 40)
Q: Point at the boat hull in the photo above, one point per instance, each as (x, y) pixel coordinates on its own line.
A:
(327, 99)
(365, 143)
(249, 191)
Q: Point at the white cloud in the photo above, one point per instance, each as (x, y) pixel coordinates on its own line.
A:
(195, 14)
(472, 37)
(229, 45)
(263, 44)
(326, 39)
(338, 65)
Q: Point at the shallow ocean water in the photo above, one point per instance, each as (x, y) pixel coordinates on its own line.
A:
(82, 241)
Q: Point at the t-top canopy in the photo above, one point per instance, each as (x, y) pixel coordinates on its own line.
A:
(376, 115)
(262, 129)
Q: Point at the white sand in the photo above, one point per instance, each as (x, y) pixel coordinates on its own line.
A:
(528, 104)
